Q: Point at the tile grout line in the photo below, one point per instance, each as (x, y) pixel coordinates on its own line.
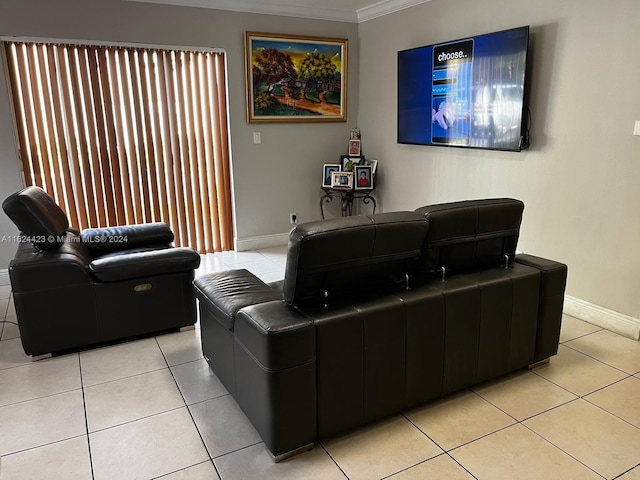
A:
(86, 419)
(239, 449)
(578, 337)
(175, 381)
(139, 374)
(333, 460)
(36, 398)
(517, 422)
(625, 472)
(164, 475)
(444, 451)
(3, 317)
(598, 360)
(578, 397)
(128, 422)
(611, 413)
(560, 449)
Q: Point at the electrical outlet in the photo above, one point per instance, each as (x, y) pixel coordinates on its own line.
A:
(293, 218)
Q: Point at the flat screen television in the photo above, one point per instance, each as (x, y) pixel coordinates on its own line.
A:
(465, 93)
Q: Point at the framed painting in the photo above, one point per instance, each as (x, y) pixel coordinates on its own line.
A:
(295, 78)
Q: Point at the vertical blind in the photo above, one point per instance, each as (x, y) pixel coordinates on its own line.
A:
(122, 135)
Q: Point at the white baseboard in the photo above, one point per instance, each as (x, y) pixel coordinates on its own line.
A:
(264, 241)
(616, 322)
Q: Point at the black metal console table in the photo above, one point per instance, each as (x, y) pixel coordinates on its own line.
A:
(346, 196)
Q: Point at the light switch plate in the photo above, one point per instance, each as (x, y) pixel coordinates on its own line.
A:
(257, 138)
(636, 128)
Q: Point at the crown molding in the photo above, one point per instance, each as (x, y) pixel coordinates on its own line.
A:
(370, 12)
(385, 7)
(247, 6)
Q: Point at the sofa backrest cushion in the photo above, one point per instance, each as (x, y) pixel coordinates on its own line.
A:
(344, 256)
(145, 236)
(37, 216)
(471, 234)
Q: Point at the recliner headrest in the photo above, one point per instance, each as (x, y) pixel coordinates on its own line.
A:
(37, 216)
(471, 233)
(343, 256)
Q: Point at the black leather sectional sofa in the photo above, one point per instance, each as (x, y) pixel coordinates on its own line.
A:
(380, 313)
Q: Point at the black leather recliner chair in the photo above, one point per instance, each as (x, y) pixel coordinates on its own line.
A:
(74, 289)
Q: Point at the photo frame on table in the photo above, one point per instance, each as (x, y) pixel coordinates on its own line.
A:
(354, 147)
(355, 134)
(342, 180)
(363, 177)
(349, 161)
(371, 163)
(295, 78)
(326, 173)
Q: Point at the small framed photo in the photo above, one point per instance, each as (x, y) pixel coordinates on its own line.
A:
(327, 169)
(355, 134)
(342, 180)
(371, 163)
(350, 161)
(364, 177)
(354, 147)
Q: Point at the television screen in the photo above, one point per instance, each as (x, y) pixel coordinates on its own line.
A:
(465, 93)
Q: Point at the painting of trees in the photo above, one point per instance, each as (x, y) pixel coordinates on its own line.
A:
(271, 67)
(319, 68)
(295, 77)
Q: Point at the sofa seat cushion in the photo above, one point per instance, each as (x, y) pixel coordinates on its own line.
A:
(224, 293)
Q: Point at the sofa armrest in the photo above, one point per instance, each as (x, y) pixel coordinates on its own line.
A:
(274, 355)
(114, 268)
(63, 266)
(126, 237)
(553, 280)
(277, 335)
(225, 293)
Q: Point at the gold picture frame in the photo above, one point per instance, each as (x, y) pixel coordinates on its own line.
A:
(295, 78)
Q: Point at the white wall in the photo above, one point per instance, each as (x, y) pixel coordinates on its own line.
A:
(294, 152)
(579, 180)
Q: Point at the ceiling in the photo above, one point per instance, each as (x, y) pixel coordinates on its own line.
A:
(354, 11)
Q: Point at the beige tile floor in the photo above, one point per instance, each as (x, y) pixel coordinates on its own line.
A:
(152, 408)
